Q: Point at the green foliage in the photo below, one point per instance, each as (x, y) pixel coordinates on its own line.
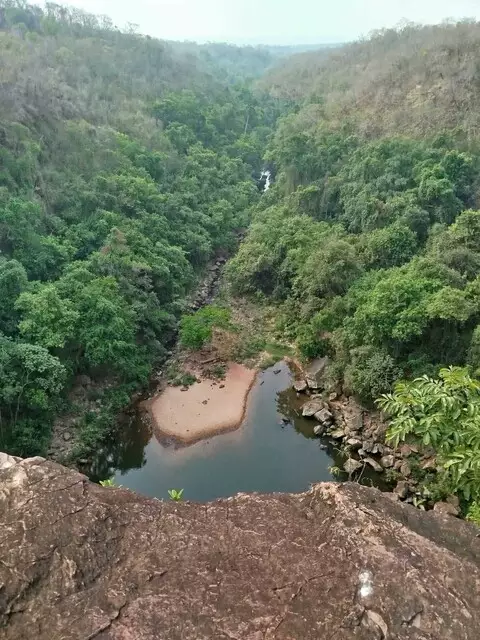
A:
(473, 357)
(182, 380)
(370, 373)
(395, 309)
(47, 320)
(443, 413)
(109, 482)
(13, 280)
(30, 381)
(329, 271)
(217, 371)
(197, 329)
(389, 247)
(176, 494)
(473, 513)
(366, 248)
(123, 171)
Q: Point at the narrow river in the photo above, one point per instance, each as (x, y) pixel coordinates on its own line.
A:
(273, 450)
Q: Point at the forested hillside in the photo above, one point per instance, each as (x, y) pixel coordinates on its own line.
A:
(413, 80)
(126, 163)
(369, 242)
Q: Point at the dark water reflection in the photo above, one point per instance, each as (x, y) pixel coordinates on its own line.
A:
(275, 449)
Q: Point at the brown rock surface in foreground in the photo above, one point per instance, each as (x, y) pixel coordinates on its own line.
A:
(342, 561)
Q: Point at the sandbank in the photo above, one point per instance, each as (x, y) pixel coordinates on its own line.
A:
(205, 409)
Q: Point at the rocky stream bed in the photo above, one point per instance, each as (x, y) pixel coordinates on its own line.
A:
(361, 435)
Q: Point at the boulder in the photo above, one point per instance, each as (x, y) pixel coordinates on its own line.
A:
(338, 434)
(315, 373)
(354, 443)
(454, 500)
(352, 465)
(319, 430)
(406, 450)
(312, 407)
(83, 381)
(313, 384)
(406, 470)
(340, 561)
(429, 464)
(67, 436)
(374, 464)
(7, 461)
(300, 386)
(387, 462)
(446, 509)
(402, 489)
(324, 416)
(368, 446)
(353, 415)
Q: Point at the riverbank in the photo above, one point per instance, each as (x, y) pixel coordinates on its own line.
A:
(274, 450)
(206, 408)
(409, 470)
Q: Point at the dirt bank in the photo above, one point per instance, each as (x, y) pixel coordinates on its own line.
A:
(204, 409)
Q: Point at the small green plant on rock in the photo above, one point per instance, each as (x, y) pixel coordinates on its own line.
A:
(187, 379)
(335, 471)
(175, 494)
(419, 502)
(109, 482)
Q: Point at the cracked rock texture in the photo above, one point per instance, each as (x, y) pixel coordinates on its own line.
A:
(78, 561)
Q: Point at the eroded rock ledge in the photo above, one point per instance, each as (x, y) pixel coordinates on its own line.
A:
(79, 561)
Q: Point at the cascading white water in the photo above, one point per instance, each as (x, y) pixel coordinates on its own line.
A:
(268, 179)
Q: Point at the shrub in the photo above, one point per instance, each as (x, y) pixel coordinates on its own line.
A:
(443, 413)
(370, 373)
(196, 330)
(473, 513)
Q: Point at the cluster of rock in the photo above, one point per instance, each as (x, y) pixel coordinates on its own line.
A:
(207, 290)
(361, 436)
(342, 561)
(66, 425)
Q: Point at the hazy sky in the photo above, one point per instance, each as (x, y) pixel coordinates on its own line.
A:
(273, 21)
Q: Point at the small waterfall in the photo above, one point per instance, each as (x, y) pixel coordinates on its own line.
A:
(266, 178)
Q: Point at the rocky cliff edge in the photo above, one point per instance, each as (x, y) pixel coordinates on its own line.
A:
(78, 561)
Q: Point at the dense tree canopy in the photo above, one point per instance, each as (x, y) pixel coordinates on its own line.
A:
(370, 249)
(415, 80)
(126, 164)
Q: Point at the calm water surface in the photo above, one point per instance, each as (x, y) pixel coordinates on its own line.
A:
(274, 450)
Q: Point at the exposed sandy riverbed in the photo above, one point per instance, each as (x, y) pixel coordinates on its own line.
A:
(205, 409)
